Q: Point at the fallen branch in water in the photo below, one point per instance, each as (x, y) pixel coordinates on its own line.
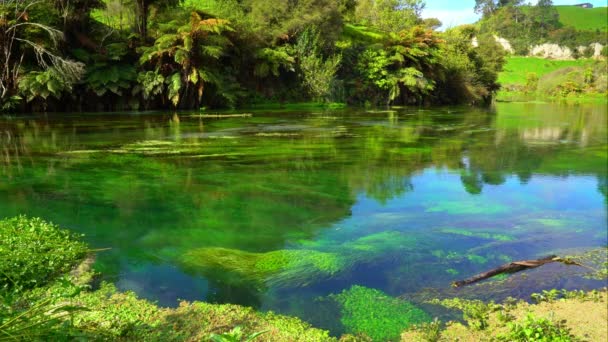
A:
(513, 267)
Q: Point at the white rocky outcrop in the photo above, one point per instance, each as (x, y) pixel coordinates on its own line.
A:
(597, 50)
(505, 44)
(551, 51)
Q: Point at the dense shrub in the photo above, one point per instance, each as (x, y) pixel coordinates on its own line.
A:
(33, 252)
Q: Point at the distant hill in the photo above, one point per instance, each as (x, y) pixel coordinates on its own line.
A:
(585, 19)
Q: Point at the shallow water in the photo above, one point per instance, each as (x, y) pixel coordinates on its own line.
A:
(279, 209)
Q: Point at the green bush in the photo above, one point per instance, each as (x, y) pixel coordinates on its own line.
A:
(536, 330)
(562, 82)
(33, 252)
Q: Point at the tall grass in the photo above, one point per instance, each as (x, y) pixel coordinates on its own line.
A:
(42, 320)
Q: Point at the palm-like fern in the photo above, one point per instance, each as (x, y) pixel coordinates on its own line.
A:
(184, 55)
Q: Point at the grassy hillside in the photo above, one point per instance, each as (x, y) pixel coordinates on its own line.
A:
(582, 80)
(587, 19)
(517, 69)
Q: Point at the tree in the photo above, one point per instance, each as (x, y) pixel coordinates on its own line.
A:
(389, 15)
(545, 17)
(185, 56)
(143, 12)
(280, 21)
(20, 38)
(317, 73)
(488, 7)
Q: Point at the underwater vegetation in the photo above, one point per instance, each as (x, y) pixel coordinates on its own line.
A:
(295, 267)
(281, 267)
(482, 235)
(470, 207)
(374, 313)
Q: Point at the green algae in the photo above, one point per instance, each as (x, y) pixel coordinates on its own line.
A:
(556, 223)
(381, 242)
(374, 313)
(452, 271)
(466, 208)
(477, 259)
(477, 234)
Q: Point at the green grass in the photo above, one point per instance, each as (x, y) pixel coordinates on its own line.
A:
(517, 69)
(586, 19)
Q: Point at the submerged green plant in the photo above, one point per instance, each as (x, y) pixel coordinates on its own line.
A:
(372, 312)
(294, 267)
(482, 235)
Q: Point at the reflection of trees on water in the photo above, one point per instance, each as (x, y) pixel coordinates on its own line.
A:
(217, 183)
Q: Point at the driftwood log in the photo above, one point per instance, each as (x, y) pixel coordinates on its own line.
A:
(513, 267)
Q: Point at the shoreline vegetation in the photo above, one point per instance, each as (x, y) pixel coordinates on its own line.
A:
(109, 55)
(49, 291)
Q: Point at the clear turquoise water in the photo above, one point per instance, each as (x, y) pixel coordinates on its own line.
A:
(279, 209)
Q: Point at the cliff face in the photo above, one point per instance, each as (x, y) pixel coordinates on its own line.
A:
(554, 51)
(550, 50)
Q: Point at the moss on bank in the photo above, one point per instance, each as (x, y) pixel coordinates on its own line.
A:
(117, 315)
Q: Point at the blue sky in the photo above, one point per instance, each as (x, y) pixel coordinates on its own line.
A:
(456, 12)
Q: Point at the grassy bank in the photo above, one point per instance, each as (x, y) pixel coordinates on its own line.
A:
(517, 69)
(48, 292)
(532, 79)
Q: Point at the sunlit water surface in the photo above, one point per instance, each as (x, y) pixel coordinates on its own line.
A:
(280, 209)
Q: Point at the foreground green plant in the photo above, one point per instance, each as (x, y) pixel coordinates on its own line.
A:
(33, 252)
(475, 312)
(235, 335)
(42, 320)
(537, 330)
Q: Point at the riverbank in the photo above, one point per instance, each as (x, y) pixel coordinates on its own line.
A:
(50, 291)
